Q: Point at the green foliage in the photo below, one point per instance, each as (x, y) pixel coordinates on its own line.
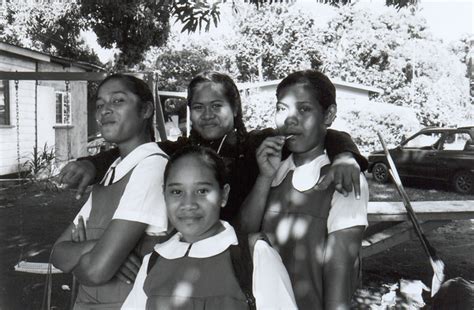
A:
(177, 67)
(39, 167)
(258, 109)
(50, 28)
(130, 27)
(193, 14)
(275, 37)
(363, 119)
(393, 50)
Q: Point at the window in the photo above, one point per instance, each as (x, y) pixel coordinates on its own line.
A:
(4, 103)
(425, 140)
(63, 108)
(456, 141)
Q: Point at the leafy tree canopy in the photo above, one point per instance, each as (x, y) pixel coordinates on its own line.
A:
(131, 26)
(52, 29)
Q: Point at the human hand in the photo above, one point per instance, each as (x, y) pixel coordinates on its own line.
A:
(344, 173)
(78, 233)
(77, 174)
(269, 155)
(129, 269)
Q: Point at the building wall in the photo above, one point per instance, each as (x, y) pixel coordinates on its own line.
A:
(8, 133)
(71, 141)
(68, 141)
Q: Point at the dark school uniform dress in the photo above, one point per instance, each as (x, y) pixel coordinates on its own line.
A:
(200, 275)
(112, 294)
(296, 221)
(132, 196)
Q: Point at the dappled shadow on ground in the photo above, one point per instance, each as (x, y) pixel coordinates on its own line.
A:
(31, 218)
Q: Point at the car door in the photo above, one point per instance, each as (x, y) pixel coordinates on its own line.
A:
(452, 155)
(417, 156)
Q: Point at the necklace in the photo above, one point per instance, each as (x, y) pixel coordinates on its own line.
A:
(220, 145)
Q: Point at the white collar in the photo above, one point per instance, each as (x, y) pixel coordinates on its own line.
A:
(305, 176)
(123, 166)
(175, 248)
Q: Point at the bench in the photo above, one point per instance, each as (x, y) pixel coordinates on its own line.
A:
(389, 224)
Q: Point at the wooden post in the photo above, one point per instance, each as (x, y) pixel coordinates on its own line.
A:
(159, 116)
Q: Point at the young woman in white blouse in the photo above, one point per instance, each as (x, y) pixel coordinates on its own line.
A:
(125, 207)
(198, 267)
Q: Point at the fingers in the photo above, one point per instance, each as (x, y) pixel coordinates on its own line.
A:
(129, 269)
(77, 174)
(81, 188)
(67, 176)
(356, 182)
(338, 182)
(346, 182)
(273, 143)
(81, 228)
(122, 277)
(74, 235)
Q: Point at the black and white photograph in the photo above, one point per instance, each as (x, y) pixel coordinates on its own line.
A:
(236, 154)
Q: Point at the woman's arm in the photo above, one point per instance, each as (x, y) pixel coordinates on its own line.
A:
(346, 163)
(87, 171)
(67, 252)
(342, 251)
(101, 263)
(252, 210)
(338, 142)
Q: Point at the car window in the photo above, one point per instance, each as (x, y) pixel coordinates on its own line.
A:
(456, 141)
(424, 140)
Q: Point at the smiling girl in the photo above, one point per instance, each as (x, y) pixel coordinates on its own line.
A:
(124, 205)
(317, 233)
(217, 122)
(199, 267)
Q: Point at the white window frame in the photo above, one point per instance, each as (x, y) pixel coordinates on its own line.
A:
(65, 118)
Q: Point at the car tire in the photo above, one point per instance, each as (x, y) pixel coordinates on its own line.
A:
(463, 182)
(380, 172)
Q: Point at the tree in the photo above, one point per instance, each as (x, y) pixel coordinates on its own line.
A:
(177, 67)
(393, 50)
(52, 29)
(276, 37)
(132, 27)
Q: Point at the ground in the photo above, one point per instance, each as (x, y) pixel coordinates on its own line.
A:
(33, 216)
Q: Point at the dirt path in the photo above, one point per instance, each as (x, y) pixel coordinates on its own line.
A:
(32, 219)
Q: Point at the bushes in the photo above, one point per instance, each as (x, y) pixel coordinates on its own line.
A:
(362, 120)
(258, 109)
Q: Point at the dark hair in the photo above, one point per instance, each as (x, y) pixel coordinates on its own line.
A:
(319, 83)
(209, 158)
(231, 93)
(139, 88)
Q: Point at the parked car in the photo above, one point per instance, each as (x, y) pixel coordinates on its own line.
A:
(438, 154)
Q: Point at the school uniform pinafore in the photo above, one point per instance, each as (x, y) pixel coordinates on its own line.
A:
(194, 283)
(296, 223)
(111, 295)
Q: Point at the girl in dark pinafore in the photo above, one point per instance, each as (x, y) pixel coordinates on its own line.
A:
(198, 268)
(122, 209)
(317, 233)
